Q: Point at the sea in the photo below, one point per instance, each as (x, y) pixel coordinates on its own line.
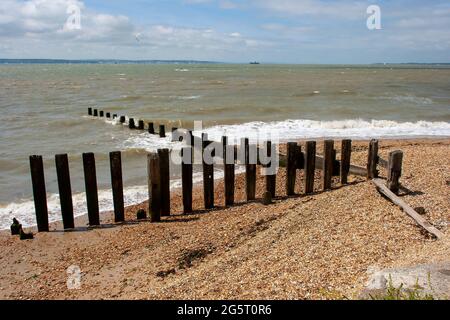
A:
(44, 112)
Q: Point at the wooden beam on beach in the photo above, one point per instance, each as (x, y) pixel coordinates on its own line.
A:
(154, 187)
(162, 131)
(151, 128)
(372, 160)
(186, 177)
(131, 124)
(394, 171)
(229, 175)
(90, 181)
(90, 111)
(65, 190)
(382, 188)
(328, 163)
(39, 192)
(346, 152)
(141, 125)
(208, 179)
(164, 163)
(115, 159)
(310, 166)
(271, 177)
(291, 167)
(250, 170)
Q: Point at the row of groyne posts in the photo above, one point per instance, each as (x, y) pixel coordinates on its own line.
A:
(158, 165)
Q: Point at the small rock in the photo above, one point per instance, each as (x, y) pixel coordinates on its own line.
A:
(15, 227)
(420, 210)
(25, 236)
(141, 214)
(267, 198)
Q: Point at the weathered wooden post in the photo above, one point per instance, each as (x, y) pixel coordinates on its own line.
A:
(141, 125)
(271, 178)
(162, 131)
(114, 116)
(154, 187)
(131, 124)
(115, 159)
(95, 113)
(101, 114)
(151, 128)
(186, 176)
(65, 190)
(108, 115)
(165, 181)
(346, 152)
(39, 192)
(122, 119)
(90, 111)
(291, 167)
(250, 171)
(90, 180)
(372, 160)
(228, 162)
(328, 164)
(394, 170)
(310, 166)
(208, 179)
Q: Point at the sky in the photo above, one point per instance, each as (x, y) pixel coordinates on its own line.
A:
(268, 31)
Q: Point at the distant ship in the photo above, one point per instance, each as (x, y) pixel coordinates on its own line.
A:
(255, 62)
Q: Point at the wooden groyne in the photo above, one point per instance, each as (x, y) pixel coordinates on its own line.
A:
(158, 171)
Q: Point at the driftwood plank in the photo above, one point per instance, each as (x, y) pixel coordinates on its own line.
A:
(381, 187)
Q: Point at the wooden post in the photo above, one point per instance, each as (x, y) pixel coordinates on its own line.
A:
(108, 115)
(186, 175)
(162, 131)
(141, 125)
(346, 152)
(39, 192)
(372, 160)
(101, 113)
(394, 170)
(65, 190)
(154, 187)
(95, 113)
(165, 181)
(115, 159)
(228, 174)
(131, 124)
(270, 178)
(122, 119)
(208, 180)
(291, 167)
(90, 111)
(90, 180)
(151, 128)
(310, 166)
(328, 163)
(250, 173)
(114, 116)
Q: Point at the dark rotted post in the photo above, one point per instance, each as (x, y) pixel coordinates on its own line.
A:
(131, 124)
(122, 119)
(114, 116)
(186, 175)
(151, 128)
(115, 160)
(271, 177)
(95, 113)
(310, 166)
(328, 163)
(65, 190)
(394, 170)
(39, 192)
(108, 115)
(102, 114)
(90, 111)
(162, 131)
(141, 125)
(372, 160)
(228, 162)
(291, 167)
(154, 187)
(208, 179)
(346, 152)
(165, 181)
(90, 180)
(250, 172)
